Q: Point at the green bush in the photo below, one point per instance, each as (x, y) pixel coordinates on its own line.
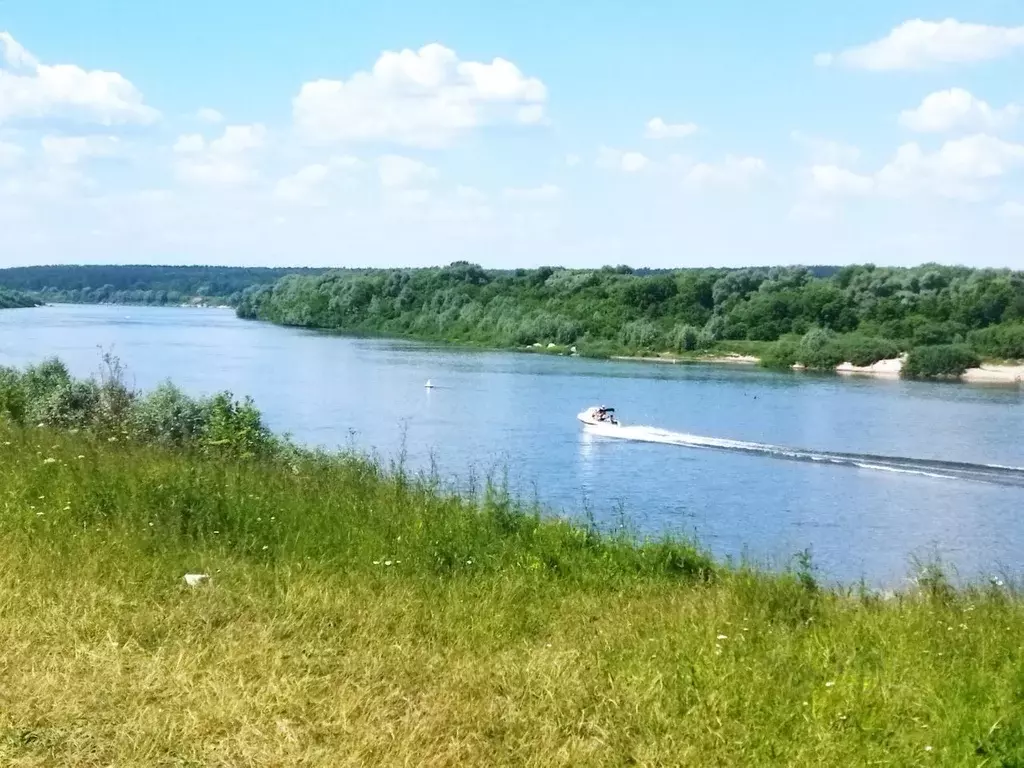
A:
(940, 360)
(781, 354)
(1002, 341)
(685, 338)
(865, 350)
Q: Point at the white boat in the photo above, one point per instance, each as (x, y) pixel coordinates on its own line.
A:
(428, 385)
(598, 416)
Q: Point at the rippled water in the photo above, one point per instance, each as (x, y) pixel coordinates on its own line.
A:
(888, 470)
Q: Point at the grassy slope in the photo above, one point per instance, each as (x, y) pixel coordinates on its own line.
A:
(491, 639)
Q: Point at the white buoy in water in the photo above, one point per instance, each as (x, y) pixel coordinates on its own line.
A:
(428, 385)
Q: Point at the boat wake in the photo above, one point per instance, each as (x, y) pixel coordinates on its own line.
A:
(951, 470)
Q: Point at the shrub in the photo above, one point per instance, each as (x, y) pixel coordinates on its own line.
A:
(940, 360)
(685, 338)
(641, 334)
(781, 354)
(865, 350)
(1003, 341)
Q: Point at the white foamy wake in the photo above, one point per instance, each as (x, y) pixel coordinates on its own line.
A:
(950, 470)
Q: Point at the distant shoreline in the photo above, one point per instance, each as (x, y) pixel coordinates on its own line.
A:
(987, 373)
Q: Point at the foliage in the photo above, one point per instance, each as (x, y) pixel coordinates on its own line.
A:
(1002, 341)
(10, 299)
(859, 314)
(46, 395)
(940, 360)
(139, 284)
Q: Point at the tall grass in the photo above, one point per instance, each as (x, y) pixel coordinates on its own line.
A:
(360, 616)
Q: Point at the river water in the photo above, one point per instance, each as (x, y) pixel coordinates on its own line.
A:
(892, 496)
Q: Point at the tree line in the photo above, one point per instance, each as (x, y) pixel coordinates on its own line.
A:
(790, 314)
(16, 299)
(141, 284)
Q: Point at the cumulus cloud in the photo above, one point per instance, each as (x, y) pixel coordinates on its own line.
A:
(541, 194)
(833, 180)
(10, 154)
(826, 151)
(732, 172)
(70, 150)
(958, 170)
(208, 115)
(1012, 209)
(398, 171)
(307, 184)
(657, 128)
(423, 98)
(30, 90)
(956, 109)
(919, 44)
(618, 160)
(225, 161)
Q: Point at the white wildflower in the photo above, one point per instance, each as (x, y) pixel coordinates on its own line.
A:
(723, 637)
(830, 683)
(49, 460)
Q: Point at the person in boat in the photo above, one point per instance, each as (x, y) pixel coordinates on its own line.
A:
(605, 414)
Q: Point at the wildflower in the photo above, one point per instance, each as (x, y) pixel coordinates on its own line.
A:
(963, 626)
(376, 562)
(49, 460)
(215, 532)
(830, 683)
(996, 581)
(150, 525)
(928, 748)
(469, 562)
(39, 514)
(111, 439)
(723, 637)
(265, 547)
(388, 562)
(81, 457)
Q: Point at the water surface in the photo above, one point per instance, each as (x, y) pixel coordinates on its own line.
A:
(495, 413)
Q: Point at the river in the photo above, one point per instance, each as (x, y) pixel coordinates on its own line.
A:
(512, 416)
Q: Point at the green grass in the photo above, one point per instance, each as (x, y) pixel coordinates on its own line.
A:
(493, 637)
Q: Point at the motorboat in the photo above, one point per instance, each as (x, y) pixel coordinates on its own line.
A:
(598, 416)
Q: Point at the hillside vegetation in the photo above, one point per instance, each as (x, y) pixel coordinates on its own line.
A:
(859, 314)
(16, 299)
(140, 284)
(356, 615)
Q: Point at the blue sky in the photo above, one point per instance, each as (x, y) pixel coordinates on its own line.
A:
(400, 133)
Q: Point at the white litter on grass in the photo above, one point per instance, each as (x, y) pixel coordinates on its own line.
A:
(196, 579)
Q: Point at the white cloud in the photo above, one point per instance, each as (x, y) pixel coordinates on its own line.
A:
(657, 128)
(208, 115)
(70, 150)
(226, 161)
(543, 193)
(919, 44)
(32, 90)
(10, 154)
(954, 109)
(424, 98)
(826, 151)
(302, 186)
(190, 144)
(833, 180)
(1012, 210)
(471, 194)
(617, 160)
(958, 170)
(398, 171)
(307, 184)
(733, 172)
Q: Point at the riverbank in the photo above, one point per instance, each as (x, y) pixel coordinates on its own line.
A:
(355, 615)
(987, 373)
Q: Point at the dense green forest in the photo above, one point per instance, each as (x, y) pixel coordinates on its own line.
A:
(141, 284)
(818, 318)
(15, 299)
